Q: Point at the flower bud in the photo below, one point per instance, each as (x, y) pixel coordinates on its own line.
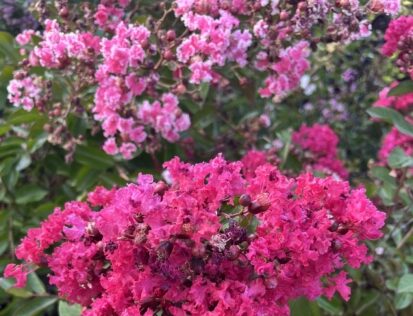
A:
(233, 252)
(260, 205)
(245, 200)
(168, 55)
(342, 230)
(161, 187)
(284, 15)
(170, 35)
(180, 89)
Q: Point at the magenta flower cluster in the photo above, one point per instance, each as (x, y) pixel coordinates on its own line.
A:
(399, 42)
(212, 242)
(402, 102)
(318, 144)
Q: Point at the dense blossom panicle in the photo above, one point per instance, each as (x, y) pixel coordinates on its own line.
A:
(56, 47)
(395, 32)
(25, 91)
(399, 40)
(403, 102)
(288, 70)
(186, 249)
(124, 54)
(319, 146)
(391, 141)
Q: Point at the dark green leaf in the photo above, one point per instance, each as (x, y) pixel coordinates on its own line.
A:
(7, 285)
(30, 193)
(93, 157)
(402, 88)
(34, 306)
(392, 116)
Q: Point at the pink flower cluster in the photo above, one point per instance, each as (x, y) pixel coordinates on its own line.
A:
(392, 140)
(291, 66)
(212, 42)
(118, 85)
(110, 13)
(399, 39)
(387, 6)
(403, 102)
(57, 48)
(187, 248)
(318, 144)
(25, 91)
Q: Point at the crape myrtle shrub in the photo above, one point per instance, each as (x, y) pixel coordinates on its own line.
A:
(97, 92)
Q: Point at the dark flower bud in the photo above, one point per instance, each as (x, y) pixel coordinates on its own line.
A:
(260, 205)
(233, 252)
(245, 200)
(170, 35)
(333, 227)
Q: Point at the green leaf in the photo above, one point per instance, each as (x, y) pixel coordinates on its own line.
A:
(35, 284)
(34, 306)
(22, 116)
(383, 113)
(4, 129)
(66, 309)
(93, 157)
(329, 306)
(406, 284)
(392, 284)
(24, 162)
(7, 285)
(392, 116)
(402, 300)
(303, 307)
(398, 159)
(383, 174)
(29, 193)
(402, 88)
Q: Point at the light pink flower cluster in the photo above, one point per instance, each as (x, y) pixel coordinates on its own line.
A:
(57, 48)
(110, 13)
(403, 102)
(187, 248)
(387, 6)
(288, 70)
(25, 91)
(392, 140)
(318, 144)
(399, 40)
(118, 85)
(213, 42)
